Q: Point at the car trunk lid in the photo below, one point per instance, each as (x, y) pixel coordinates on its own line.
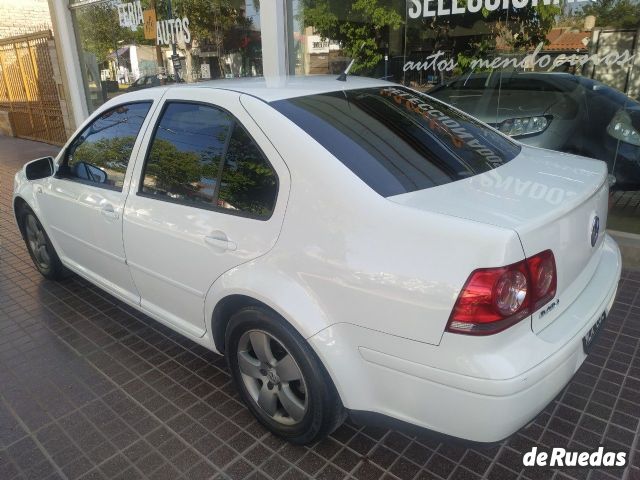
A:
(550, 199)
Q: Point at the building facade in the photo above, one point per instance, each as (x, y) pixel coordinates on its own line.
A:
(558, 74)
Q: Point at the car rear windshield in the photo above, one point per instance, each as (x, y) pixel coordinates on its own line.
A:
(397, 140)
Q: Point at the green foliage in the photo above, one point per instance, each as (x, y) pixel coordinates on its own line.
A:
(211, 19)
(99, 30)
(109, 153)
(172, 169)
(535, 26)
(360, 26)
(525, 27)
(248, 182)
(477, 50)
(614, 13)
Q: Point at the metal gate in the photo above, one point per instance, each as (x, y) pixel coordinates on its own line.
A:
(28, 90)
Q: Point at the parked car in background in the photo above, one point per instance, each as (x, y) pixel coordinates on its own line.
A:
(559, 111)
(148, 81)
(351, 247)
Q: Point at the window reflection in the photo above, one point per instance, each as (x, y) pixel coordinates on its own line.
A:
(101, 152)
(557, 75)
(195, 146)
(186, 152)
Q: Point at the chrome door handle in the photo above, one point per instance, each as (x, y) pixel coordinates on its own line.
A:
(108, 211)
(220, 240)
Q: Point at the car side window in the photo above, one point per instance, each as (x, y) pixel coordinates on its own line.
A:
(201, 156)
(100, 153)
(183, 162)
(248, 183)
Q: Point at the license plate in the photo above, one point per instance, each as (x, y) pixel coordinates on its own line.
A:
(592, 334)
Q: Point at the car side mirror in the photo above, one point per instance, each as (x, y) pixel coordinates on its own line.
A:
(40, 168)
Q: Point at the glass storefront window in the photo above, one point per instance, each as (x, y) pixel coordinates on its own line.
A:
(557, 74)
(131, 45)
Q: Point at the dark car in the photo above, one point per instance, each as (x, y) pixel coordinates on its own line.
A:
(559, 111)
(148, 81)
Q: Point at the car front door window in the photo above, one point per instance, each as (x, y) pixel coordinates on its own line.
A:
(100, 154)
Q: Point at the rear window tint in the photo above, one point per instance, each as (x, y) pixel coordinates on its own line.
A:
(397, 140)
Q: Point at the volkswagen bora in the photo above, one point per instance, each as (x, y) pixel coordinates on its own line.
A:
(352, 248)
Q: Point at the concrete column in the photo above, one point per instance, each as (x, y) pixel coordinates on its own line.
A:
(69, 60)
(274, 37)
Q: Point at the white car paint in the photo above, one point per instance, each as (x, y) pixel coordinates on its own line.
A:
(369, 281)
(175, 288)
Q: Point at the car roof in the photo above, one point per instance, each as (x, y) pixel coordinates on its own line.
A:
(271, 89)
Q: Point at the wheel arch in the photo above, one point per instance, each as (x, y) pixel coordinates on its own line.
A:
(252, 285)
(224, 310)
(19, 204)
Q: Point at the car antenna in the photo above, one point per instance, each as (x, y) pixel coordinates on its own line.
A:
(343, 76)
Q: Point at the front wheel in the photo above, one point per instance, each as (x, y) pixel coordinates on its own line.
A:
(40, 248)
(280, 378)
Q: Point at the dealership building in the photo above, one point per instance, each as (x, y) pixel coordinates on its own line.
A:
(559, 75)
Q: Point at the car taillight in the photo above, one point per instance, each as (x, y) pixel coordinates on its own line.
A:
(493, 299)
(542, 268)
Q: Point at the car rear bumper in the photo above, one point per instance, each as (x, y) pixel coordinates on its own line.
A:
(443, 389)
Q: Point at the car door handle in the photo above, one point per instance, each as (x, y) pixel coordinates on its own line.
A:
(108, 211)
(38, 189)
(220, 240)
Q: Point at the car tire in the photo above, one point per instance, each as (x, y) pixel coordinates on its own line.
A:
(43, 254)
(280, 378)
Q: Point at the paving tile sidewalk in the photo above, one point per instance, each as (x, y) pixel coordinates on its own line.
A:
(91, 389)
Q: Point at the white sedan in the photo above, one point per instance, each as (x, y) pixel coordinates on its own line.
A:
(351, 247)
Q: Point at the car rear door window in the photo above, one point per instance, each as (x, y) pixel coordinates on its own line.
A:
(248, 182)
(201, 156)
(100, 154)
(398, 140)
(183, 162)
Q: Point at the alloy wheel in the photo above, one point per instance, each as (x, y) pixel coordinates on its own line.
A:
(272, 377)
(37, 242)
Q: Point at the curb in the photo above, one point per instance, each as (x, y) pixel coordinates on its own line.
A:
(629, 244)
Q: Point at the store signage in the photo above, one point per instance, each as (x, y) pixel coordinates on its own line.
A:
(165, 32)
(441, 8)
(172, 31)
(130, 15)
(438, 62)
(149, 24)
(316, 44)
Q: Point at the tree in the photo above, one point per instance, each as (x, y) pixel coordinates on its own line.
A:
(526, 27)
(111, 153)
(248, 183)
(174, 171)
(614, 13)
(360, 26)
(100, 32)
(212, 21)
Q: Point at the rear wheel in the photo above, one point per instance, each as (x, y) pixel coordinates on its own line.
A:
(280, 378)
(40, 248)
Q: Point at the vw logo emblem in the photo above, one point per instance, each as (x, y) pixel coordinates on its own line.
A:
(595, 230)
(273, 377)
